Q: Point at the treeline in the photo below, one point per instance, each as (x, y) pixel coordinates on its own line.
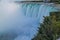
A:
(55, 1)
(50, 28)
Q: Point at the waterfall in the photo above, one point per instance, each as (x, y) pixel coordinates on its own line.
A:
(37, 10)
(21, 20)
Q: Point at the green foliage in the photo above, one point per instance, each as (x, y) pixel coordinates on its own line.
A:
(55, 1)
(49, 29)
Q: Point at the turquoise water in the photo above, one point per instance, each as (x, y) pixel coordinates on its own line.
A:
(36, 12)
(21, 20)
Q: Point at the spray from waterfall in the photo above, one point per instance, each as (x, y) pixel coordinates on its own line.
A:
(21, 20)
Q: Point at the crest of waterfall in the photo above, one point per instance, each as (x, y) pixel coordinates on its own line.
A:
(37, 10)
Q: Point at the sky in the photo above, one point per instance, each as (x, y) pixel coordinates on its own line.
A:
(14, 20)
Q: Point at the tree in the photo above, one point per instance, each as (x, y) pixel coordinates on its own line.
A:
(55, 1)
(49, 29)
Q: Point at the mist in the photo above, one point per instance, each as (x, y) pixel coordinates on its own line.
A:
(20, 21)
(13, 22)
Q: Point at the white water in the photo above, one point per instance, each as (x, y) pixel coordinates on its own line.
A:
(21, 20)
